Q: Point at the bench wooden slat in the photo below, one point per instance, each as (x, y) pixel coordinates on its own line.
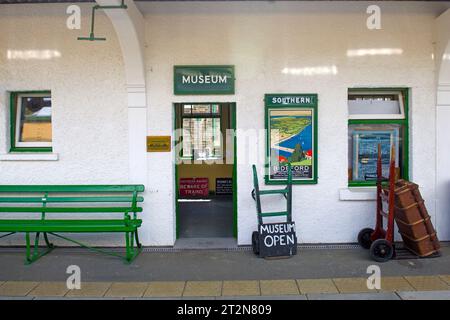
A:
(71, 209)
(67, 199)
(72, 188)
(70, 225)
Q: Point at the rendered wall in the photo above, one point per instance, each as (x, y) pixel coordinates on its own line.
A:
(90, 126)
(262, 39)
(443, 129)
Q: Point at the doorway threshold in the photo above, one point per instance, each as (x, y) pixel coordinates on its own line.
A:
(205, 243)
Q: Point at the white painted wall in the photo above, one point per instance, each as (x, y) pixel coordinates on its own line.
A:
(443, 129)
(260, 39)
(90, 125)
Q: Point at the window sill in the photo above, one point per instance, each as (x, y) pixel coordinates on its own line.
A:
(22, 156)
(358, 194)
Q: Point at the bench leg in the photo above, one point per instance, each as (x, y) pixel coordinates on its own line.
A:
(32, 257)
(48, 243)
(132, 250)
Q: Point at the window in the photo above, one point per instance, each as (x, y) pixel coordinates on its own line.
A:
(202, 135)
(31, 121)
(377, 117)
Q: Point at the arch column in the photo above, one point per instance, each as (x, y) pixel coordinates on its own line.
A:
(129, 26)
(442, 124)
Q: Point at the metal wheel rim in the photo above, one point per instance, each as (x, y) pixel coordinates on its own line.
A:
(382, 250)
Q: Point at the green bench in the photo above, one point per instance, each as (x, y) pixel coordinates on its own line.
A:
(63, 200)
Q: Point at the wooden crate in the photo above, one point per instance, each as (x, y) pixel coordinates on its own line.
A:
(412, 213)
(422, 247)
(416, 230)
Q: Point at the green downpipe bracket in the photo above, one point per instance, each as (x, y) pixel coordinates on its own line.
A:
(92, 37)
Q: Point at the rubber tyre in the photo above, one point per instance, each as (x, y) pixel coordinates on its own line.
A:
(255, 242)
(364, 238)
(381, 250)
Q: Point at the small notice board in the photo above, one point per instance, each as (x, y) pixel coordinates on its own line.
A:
(224, 186)
(194, 187)
(158, 144)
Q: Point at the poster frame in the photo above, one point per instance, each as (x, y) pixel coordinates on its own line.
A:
(294, 102)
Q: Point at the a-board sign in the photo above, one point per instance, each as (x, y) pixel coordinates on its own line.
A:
(224, 186)
(158, 143)
(277, 239)
(194, 187)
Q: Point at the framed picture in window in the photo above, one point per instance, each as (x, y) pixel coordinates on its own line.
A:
(365, 152)
(291, 125)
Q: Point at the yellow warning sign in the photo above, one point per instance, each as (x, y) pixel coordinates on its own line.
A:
(158, 143)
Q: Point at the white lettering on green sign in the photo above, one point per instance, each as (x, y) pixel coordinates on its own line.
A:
(291, 100)
(204, 79)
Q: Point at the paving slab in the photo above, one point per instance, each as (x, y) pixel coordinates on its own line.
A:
(199, 298)
(307, 286)
(155, 298)
(203, 289)
(241, 288)
(126, 289)
(17, 288)
(50, 289)
(278, 287)
(165, 289)
(281, 297)
(90, 290)
(391, 284)
(354, 296)
(426, 283)
(425, 295)
(352, 285)
(445, 278)
(15, 298)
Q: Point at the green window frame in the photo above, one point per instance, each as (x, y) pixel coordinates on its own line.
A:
(14, 109)
(202, 115)
(403, 122)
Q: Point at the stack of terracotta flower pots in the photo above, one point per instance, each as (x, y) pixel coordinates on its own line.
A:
(413, 220)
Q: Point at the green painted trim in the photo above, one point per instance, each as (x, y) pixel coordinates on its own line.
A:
(72, 188)
(405, 169)
(305, 105)
(30, 149)
(177, 190)
(231, 92)
(235, 186)
(71, 209)
(404, 122)
(362, 183)
(313, 106)
(12, 122)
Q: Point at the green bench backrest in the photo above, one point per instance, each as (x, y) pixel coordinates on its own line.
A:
(70, 194)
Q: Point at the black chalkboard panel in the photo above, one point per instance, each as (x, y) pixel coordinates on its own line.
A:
(224, 186)
(277, 239)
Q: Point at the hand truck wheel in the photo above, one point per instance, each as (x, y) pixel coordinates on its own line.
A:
(255, 242)
(381, 250)
(364, 239)
(254, 194)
